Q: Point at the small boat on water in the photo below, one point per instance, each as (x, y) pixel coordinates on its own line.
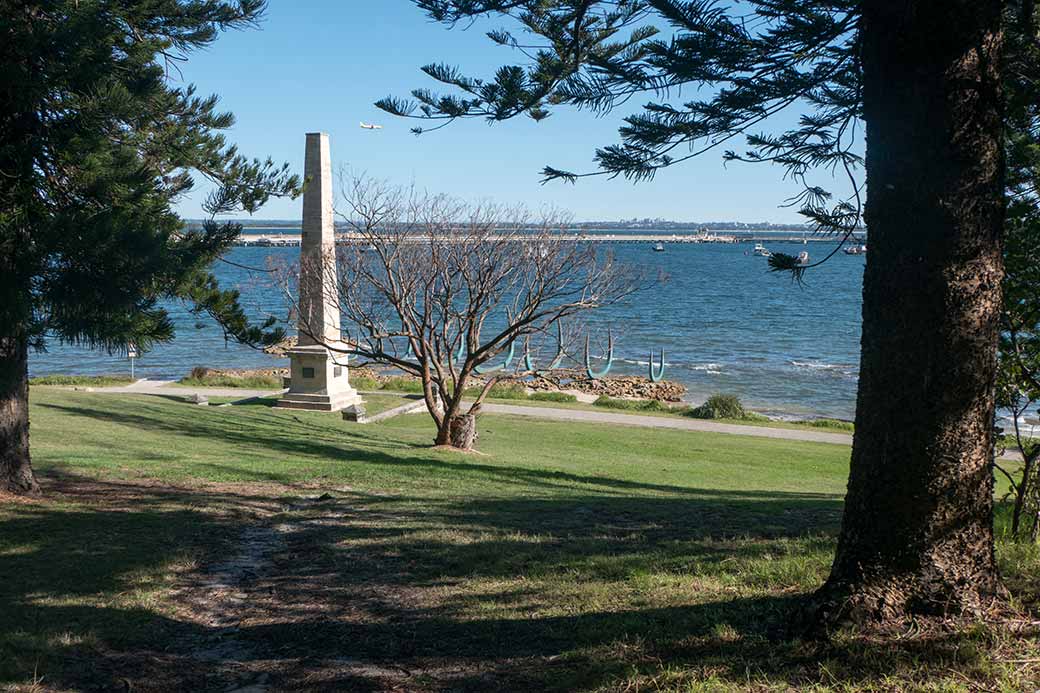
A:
(760, 251)
(856, 250)
(803, 258)
(659, 247)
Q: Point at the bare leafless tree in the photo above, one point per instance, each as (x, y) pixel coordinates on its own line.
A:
(440, 289)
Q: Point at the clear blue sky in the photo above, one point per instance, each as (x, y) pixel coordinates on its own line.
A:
(320, 64)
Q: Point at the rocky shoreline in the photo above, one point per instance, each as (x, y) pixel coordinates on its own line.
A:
(558, 380)
(567, 380)
(618, 387)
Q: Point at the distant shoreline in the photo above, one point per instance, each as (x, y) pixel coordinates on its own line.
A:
(290, 237)
(668, 227)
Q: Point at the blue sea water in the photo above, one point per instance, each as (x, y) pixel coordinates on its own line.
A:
(725, 323)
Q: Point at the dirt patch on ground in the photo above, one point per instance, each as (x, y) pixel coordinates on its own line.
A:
(16, 499)
(263, 613)
(265, 610)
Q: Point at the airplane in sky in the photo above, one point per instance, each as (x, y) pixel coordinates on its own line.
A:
(371, 127)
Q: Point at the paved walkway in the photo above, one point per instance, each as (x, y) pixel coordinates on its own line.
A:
(161, 387)
(683, 424)
(167, 387)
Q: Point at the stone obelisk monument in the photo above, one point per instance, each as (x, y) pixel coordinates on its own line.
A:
(318, 372)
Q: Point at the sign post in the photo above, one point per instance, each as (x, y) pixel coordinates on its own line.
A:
(131, 353)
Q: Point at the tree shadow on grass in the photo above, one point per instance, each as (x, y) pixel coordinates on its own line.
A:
(578, 582)
(288, 435)
(472, 596)
(405, 593)
(75, 564)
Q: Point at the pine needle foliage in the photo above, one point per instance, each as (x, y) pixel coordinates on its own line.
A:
(710, 74)
(98, 139)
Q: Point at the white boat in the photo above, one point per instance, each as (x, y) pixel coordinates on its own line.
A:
(856, 250)
(760, 250)
(803, 258)
(659, 248)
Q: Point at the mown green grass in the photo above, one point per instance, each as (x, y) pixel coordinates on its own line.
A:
(84, 380)
(509, 393)
(563, 557)
(375, 403)
(638, 408)
(409, 385)
(155, 437)
(250, 382)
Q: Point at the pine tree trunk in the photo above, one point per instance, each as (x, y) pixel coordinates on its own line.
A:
(16, 474)
(917, 532)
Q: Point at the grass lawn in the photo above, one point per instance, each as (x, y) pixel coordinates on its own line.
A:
(375, 403)
(824, 425)
(252, 382)
(82, 380)
(203, 548)
(515, 394)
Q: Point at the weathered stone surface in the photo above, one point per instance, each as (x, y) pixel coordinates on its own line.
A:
(622, 386)
(203, 372)
(282, 348)
(318, 368)
(355, 412)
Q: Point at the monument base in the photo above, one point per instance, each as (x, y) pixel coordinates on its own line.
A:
(292, 400)
(317, 382)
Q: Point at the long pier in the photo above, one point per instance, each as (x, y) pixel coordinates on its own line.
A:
(291, 240)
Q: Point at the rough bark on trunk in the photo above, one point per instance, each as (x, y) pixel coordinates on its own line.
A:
(917, 533)
(16, 474)
(463, 431)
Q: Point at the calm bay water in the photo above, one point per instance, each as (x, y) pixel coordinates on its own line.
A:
(725, 322)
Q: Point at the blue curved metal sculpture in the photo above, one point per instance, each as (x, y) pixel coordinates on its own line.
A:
(655, 377)
(594, 375)
(509, 359)
(555, 363)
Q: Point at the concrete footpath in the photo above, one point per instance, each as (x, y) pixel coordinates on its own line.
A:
(675, 422)
(163, 387)
(169, 388)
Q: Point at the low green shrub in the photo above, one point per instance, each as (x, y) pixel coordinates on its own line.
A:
(249, 382)
(719, 406)
(499, 391)
(364, 383)
(508, 391)
(553, 397)
(608, 402)
(86, 380)
(836, 424)
(400, 383)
